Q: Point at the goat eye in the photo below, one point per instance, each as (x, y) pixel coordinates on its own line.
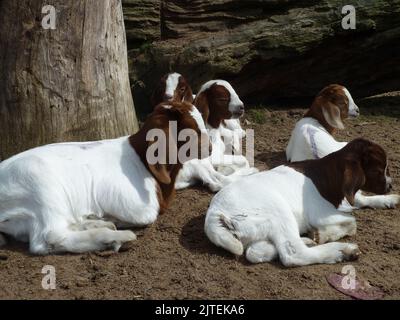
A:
(183, 89)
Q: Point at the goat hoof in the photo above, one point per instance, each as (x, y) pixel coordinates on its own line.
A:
(126, 246)
(351, 253)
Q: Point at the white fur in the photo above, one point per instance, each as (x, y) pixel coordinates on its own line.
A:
(353, 108)
(232, 133)
(235, 103)
(195, 113)
(310, 140)
(221, 168)
(204, 170)
(171, 84)
(265, 214)
(49, 194)
(56, 196)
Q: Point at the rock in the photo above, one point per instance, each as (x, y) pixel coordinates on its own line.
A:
(142, 22)
(270, 49)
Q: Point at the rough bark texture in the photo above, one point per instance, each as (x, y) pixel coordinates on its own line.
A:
(65, 84)
(272, 48)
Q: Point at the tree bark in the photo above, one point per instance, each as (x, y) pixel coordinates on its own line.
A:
(67, 84)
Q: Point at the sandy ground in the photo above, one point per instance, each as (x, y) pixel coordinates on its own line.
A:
(173, 259)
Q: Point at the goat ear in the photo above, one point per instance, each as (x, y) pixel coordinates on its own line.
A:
(160, 172)
(331, 114)
(159, 150)
(201, 103)
(188, 95)
(353, 179)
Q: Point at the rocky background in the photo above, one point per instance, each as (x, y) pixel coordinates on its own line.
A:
(270, 50)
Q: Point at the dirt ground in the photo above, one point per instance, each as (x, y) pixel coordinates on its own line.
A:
(173, 259)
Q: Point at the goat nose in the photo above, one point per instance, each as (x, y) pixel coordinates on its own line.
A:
(390, 187)
(168, 96)
(241, 108)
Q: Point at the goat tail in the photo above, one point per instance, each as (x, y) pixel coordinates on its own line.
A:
(220, 229)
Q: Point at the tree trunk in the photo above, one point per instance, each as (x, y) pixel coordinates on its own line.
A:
(66, 84)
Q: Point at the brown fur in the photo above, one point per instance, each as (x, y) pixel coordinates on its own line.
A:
(334, 103)
(359, 165)
(213, 104)
(183, 91)
(165, 174)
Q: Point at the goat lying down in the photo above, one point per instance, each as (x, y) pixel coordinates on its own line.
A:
(221, 108)
(62, 197)
(217, 101)
(265, 214)
(172, 87)
(312, 138)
